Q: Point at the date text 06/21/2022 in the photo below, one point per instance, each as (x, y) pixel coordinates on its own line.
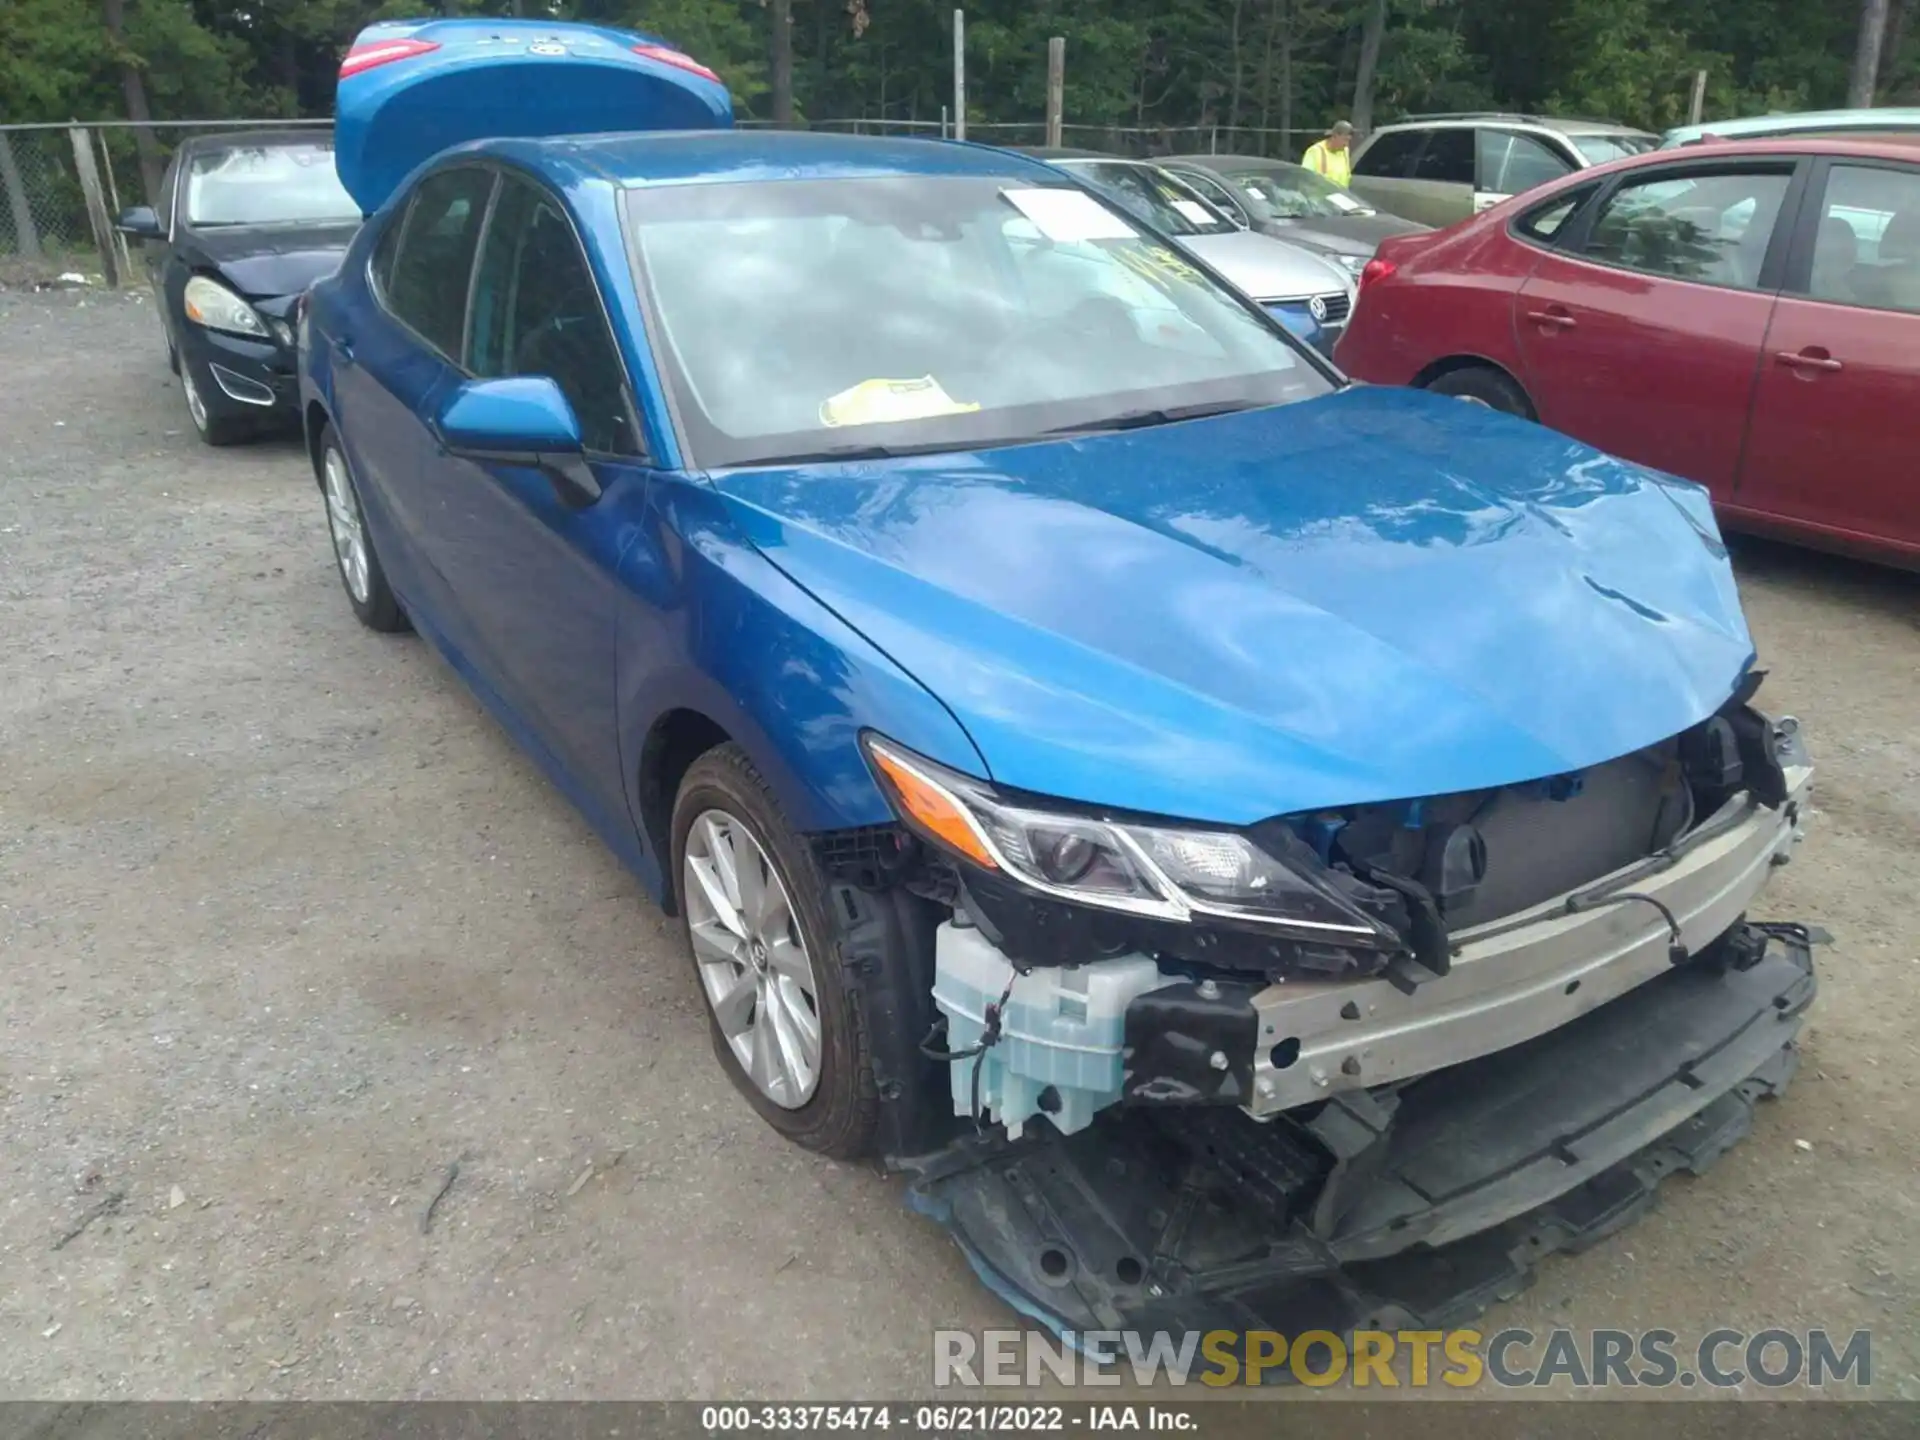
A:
(945, 1419)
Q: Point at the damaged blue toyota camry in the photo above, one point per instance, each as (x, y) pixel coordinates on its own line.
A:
(1254, 850)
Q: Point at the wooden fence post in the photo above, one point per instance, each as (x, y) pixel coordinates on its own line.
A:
(97, 218)
(1056, 88)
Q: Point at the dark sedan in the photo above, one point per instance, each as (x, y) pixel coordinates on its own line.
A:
(1290, 202)
(245, 223)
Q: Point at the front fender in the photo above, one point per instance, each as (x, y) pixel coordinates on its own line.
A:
(740, 643)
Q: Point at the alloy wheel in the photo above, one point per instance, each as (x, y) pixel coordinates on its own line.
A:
(196, 407)
(349, 531)
(752, 957)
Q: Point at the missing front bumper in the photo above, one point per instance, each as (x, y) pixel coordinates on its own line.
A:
(1518, 978)
(1409, 1210)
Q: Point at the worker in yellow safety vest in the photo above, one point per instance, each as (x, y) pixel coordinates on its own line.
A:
(1333, 156)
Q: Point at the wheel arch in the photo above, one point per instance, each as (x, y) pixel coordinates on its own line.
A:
(1452, 364)
(673, 742)
(313, 420)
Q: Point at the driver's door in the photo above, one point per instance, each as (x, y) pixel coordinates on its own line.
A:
(535, 574)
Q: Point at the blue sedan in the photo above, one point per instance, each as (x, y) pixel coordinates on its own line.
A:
(1056, 704)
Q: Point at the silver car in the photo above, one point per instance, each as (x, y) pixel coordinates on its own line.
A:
(1310, 295)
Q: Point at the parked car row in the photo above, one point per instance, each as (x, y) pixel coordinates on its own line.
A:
(1743, 314)
(1189, 811)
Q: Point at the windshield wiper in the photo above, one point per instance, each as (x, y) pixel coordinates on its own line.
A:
(1139, 419)
(834, 453)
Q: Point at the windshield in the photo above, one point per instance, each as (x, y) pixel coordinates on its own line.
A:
(1296, 193)
(1599, 149)
(809, 319)
(1150, 194)
(268, 185)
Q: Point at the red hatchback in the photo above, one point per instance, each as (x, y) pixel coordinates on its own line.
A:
(1746, 315)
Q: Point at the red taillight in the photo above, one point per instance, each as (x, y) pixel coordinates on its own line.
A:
(1376, 269)
(673, 57)
(382, 52)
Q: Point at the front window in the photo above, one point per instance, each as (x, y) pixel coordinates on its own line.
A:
(1153, 196)
(1296, 193)
(1599, 149)
(821, 318)
(268, 185)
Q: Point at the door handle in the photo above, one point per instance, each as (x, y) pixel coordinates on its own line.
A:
(1553, 316)
(343, 351)
(1811, 358)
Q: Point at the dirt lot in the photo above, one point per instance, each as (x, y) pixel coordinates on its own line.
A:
(289, 928)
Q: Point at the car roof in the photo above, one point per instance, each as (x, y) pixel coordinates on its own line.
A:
(657, 157)
(1067, 152)
(1235, 162)
(1892, 117)
(1564, 125)
(1895, 146)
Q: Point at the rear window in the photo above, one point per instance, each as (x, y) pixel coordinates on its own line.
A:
(1599, 149)
(1448, 158)
(1390, 154)
(1548, 223)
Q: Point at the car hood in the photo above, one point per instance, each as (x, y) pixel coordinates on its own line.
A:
(1266, 268)
(1343, 234)
(264, 260)
(1377, 595)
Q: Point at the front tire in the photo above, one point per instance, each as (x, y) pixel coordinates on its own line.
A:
(767, 957)
(354, 556)
(1487, 386)
(214, 429)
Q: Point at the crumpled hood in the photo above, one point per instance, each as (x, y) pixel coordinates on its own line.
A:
(261, 260)
(1377, 595)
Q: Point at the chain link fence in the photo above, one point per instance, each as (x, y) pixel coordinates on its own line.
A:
(1138, 142)
(46, 172)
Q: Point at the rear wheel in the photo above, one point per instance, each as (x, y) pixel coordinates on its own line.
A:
(1485, 386)
(767, 954)
(360, 573)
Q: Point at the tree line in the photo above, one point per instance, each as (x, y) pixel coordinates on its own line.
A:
(1271, 64)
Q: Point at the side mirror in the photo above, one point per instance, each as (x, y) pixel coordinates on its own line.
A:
(140, 222)
(521, 420)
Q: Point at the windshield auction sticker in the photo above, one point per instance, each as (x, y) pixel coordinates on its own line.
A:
(1068, 217)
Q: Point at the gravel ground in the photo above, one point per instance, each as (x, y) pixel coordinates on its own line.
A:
(290, 929)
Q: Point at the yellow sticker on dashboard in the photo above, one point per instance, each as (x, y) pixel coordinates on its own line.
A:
(1151, 262)
(881, 402)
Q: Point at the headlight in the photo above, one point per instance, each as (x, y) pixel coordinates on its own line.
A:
(211, 304)
(1166, 872)
(1353, 264)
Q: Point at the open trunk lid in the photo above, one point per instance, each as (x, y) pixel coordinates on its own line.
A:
(410, 89)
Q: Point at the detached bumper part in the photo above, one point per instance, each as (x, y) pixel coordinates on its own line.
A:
(1414, 1208)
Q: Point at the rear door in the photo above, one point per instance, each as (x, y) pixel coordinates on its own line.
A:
(1439, 188)
(1833, 437)
(392, 364)
(1382, 171)
(1642, 334)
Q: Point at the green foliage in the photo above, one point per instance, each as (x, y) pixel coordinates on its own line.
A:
(1129, 62)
